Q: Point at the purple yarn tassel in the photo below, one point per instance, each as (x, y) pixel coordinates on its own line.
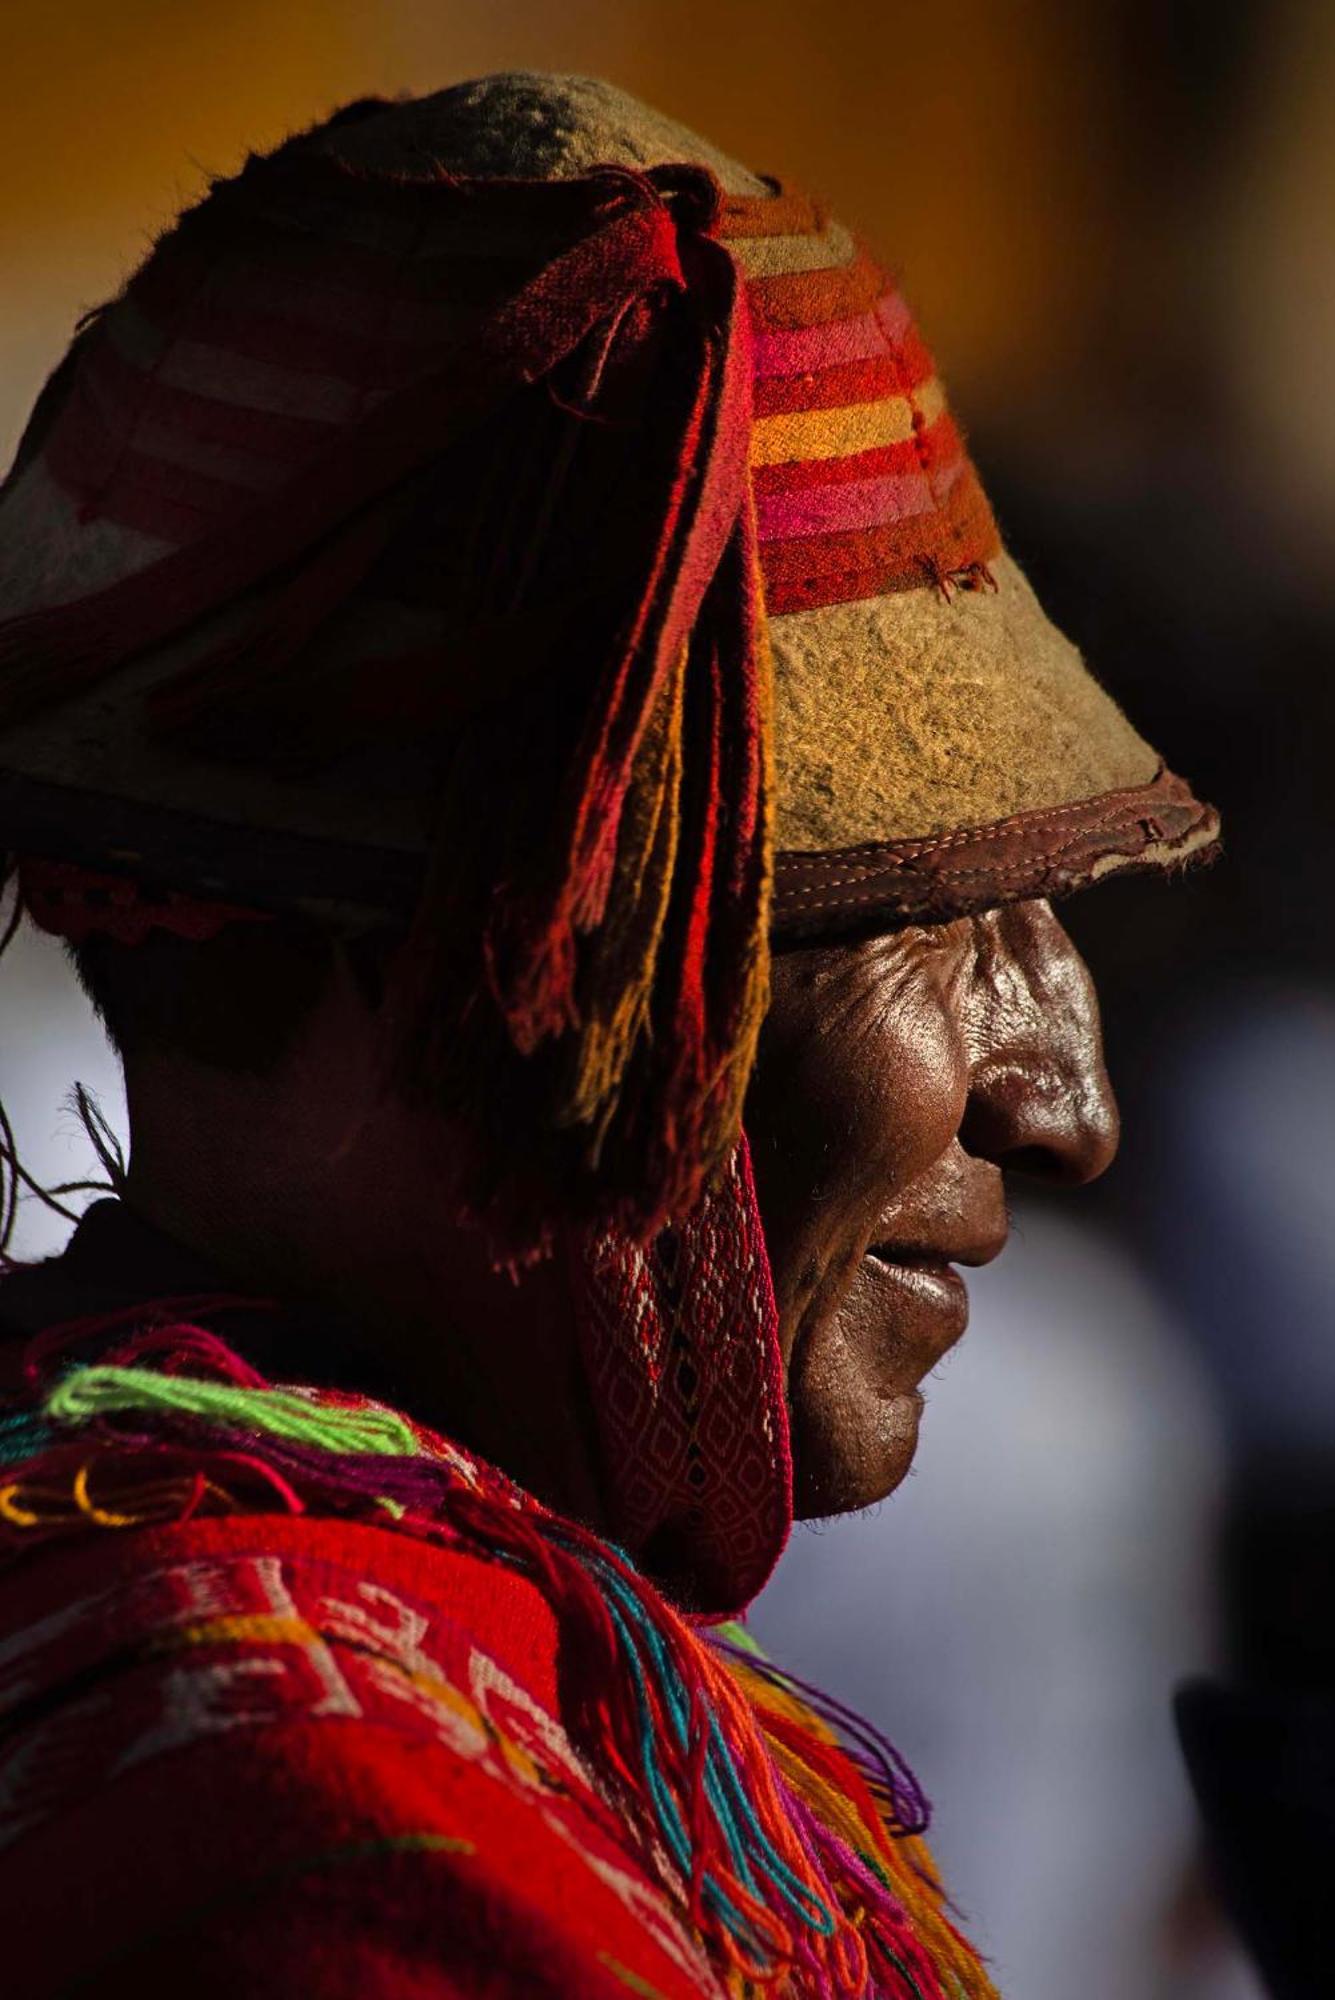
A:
(874, 1754)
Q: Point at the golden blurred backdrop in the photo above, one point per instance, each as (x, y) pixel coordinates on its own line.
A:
(970, 139)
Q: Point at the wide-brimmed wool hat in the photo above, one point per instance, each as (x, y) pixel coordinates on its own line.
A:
(502, 514)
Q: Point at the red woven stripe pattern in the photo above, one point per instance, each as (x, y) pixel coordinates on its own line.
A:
(222, 376)
(874, 492)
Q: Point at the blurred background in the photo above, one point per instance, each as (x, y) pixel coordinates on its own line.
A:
(1116, 221)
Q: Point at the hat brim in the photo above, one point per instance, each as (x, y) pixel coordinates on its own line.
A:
(1048, 852)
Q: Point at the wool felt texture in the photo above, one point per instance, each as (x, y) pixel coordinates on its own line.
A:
(481, 1742)
(958, 711)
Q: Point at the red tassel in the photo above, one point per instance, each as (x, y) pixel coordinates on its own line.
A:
(694, 648)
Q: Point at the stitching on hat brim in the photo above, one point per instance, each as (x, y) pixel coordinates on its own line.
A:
(1048, 852)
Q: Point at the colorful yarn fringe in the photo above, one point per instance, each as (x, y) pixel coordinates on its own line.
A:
(796, 1861)
(876, 1807)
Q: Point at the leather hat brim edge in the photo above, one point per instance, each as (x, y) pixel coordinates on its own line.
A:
(1047, 853)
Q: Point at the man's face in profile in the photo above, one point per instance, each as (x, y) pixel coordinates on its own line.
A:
(898, 1078)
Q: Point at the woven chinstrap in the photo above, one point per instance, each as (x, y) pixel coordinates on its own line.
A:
(149, 1417)
(679, 1343)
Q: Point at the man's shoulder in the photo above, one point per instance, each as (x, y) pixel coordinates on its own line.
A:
(414, 1616)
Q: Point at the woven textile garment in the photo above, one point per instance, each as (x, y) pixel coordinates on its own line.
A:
(311, 1700)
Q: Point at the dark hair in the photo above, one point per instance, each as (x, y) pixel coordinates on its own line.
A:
(237, 1002)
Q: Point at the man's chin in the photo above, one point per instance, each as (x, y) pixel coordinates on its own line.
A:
(849, 1458)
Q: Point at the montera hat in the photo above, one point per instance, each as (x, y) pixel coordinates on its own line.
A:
(500, 515)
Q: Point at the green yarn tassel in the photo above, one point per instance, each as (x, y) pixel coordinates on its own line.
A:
(286, 1413)
(735, 1633)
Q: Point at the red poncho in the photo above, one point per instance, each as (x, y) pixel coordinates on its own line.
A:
(299, 1698)
(293, 1756)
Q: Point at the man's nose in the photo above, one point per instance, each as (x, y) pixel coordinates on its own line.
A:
(1055, 1119)
(1039, 1096)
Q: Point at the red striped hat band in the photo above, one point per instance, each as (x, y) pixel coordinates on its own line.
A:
(233, 363)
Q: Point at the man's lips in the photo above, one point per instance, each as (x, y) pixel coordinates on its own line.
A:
(929, 1279)
(933, 1308)
(972, 1251)
(913, 1315)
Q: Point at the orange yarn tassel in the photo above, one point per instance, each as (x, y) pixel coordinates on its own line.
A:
(809, 1754)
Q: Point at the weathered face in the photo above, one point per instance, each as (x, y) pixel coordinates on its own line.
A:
(898, 1078)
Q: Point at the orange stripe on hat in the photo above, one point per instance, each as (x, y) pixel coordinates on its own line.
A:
(847, 397)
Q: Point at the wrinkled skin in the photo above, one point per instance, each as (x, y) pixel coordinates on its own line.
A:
(899, 1078)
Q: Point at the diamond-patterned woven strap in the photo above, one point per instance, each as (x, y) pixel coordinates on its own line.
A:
(680, 1342)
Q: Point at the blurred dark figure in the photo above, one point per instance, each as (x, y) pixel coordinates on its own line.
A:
(1261, 1748)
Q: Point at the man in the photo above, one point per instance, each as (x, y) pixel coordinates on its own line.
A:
(500, 625)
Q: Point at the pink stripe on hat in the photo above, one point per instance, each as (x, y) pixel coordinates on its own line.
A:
(803, 350)
(858, 503)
